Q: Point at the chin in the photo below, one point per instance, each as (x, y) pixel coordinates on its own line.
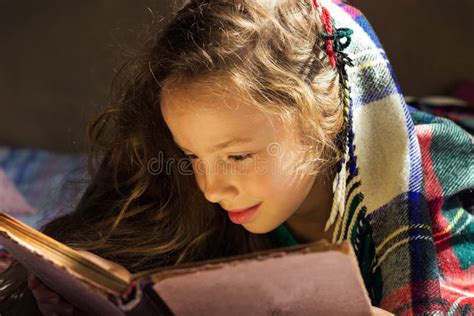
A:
(255, 229)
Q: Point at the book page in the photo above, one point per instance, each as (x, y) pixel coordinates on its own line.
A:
(98, 272)
(82, 295)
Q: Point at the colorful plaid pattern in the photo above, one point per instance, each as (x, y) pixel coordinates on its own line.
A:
(413, 236)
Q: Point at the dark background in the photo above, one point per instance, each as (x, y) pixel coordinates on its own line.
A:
(57, 58)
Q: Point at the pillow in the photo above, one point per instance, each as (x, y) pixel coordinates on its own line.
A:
(12, 201)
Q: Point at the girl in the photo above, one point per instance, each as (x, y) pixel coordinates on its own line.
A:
(251, 125)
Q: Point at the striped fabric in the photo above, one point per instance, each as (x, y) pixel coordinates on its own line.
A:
(406, 190)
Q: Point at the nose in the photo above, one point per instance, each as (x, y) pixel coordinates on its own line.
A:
(217, 187)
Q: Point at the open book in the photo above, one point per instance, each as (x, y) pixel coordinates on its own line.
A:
(311, 279)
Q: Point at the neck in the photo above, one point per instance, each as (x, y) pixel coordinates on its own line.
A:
(308, 221)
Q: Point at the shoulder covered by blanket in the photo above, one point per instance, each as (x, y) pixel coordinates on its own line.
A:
(409, 177)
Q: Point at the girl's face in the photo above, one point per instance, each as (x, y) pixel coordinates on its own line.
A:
(240, 156)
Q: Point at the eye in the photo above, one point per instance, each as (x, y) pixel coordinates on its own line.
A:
(240, 157)
(233, 157)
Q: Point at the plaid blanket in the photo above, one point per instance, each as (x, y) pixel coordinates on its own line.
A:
(409, 182)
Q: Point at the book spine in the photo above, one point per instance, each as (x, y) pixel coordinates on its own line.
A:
(150, 303)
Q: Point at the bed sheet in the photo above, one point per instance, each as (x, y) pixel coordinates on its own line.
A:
(52, 183)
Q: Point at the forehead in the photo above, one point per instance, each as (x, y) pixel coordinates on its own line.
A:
(203, 117)
(185, 107)
(201, 98)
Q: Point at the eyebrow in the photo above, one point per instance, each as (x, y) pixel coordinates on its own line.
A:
(227, 143)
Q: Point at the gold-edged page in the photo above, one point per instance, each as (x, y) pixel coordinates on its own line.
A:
(62, 256)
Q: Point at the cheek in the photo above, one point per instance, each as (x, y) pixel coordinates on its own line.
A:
(199, 181)
(278, 172)
(199, 175)
(266, 178)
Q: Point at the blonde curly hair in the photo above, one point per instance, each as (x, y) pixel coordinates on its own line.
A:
(264, 49)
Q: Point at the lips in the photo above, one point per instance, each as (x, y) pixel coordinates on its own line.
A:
(241, 209)
(244, 215)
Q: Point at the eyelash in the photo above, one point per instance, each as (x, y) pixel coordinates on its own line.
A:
(233, 157)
